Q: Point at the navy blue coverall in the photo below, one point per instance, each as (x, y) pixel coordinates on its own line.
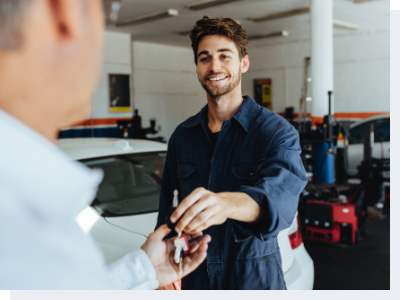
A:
(257, 153)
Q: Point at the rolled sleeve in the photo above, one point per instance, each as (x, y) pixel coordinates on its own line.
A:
(280, 181)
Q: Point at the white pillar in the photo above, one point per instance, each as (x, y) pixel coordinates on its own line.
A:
(321, 56)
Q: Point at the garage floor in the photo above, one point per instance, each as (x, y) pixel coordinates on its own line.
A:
(365, 266)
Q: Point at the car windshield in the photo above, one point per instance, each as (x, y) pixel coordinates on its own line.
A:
(131, 183)
(381, 130)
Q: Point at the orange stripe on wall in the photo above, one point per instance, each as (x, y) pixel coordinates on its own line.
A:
(354, 115)
(295, 115)
(108, 121)
(359, 115)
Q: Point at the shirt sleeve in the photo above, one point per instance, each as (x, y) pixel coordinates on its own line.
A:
(280, 181)
(134, 271)
(169, 183)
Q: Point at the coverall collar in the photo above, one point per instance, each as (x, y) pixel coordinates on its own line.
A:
(245, 115)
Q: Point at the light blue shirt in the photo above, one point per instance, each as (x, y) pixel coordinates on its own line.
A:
(41, 245)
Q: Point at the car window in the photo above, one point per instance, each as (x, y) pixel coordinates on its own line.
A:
(131, 183)
(356, 134)
(381, 130)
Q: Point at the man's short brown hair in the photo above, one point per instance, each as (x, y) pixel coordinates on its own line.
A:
(219, 26)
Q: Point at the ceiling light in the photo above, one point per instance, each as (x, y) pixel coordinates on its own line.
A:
(344, 25)
(208, 3)
(361, 1)
(184, 32)
(269, 35)
(282, 14)
(148, 18)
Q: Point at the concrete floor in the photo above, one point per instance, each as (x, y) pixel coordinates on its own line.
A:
(365, 266)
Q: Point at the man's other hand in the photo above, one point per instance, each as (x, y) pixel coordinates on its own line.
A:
(200, 210)
(161, 254)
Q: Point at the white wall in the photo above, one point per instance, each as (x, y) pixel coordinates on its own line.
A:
(165, 85)
(361, 72)
(117, 60)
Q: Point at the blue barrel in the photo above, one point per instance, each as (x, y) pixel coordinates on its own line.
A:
(321, 156)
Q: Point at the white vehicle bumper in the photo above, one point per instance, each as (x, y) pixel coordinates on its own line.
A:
(301, 274)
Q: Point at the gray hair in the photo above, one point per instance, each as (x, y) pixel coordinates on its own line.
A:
(12, 15)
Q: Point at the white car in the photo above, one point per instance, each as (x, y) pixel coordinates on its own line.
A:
(381, 148)
(125, 210)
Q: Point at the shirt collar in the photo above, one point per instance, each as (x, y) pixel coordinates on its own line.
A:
(245, 115)
(45, 178)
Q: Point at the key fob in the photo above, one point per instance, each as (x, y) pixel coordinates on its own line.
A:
(186, 247)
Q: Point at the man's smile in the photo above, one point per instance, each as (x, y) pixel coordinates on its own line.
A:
(217, 79)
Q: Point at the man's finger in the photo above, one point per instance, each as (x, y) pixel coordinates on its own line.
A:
(191, 262)
(193, 236)
(198, 221)
(193, 212)
(161, 232)
(195, 244)
(188, 202)
(210, 222)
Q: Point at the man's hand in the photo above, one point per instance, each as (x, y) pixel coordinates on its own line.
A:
(200, 210)
(161, 254)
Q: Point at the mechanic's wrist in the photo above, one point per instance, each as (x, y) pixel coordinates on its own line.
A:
(229, 207)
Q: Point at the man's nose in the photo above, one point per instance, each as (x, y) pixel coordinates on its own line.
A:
(215, 65)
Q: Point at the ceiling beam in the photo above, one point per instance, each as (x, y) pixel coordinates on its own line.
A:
(207, 4)
(282, 14)
(148, 18)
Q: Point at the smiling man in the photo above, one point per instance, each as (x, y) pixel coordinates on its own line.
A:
(238, 169)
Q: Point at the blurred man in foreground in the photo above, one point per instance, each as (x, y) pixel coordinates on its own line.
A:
(50, 58)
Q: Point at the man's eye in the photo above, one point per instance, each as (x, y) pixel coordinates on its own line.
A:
(225, 56)
(204, 59)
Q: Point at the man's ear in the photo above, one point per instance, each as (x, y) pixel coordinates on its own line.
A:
(67, 16)
(245, 64)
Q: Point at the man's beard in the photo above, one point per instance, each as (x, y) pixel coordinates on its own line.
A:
(220, 92)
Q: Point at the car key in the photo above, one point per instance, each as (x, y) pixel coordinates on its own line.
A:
(178, 243)
(182, 249)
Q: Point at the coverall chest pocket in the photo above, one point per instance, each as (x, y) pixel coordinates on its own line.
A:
(186, 173)
(246, 173)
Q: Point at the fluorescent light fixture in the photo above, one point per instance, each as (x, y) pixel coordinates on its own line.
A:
(269, 35)
(148, 18)
(207, 4)
(344, 25)
(361, 1)
(282, 14)
(184, 32)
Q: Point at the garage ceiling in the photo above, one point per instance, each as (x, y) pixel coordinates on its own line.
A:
(369, 16)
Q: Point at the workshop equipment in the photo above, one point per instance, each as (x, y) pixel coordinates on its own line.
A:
(338, 212)
(333, 216)
(318, 148)
(133, 129)
(372, 174)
